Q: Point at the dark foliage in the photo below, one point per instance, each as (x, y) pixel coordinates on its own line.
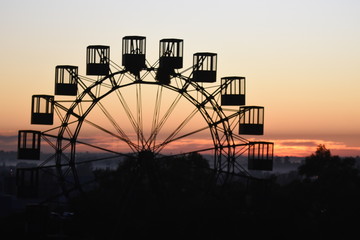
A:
(177, 199)
(326, 202)
(145, 197)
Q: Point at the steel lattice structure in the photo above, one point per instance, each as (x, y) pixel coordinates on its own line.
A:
(141, 110)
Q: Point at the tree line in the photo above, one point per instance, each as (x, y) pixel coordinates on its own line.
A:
(180, 198)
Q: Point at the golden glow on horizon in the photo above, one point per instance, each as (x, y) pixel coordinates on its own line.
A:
(282, 147)
(288, 147)
(305, 147)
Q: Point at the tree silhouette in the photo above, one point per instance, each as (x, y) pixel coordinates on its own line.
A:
(316, 162)
(144, 197)
(332, 192)
(329, 169)
(169, 198)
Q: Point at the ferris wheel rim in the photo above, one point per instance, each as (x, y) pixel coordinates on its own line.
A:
(217, 146)
(189, 98)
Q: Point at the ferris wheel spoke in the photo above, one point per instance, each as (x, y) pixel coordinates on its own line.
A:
(150, 69)
(158, 148)
(135, 122)
(200, 150)
(120, 79)
(117, 126)
(115, 65)
(122, 138)
(86, 89)
(49, 142)
(156, 115)
(101, 148)
(49, 159)
(67, 171)
(140, 128)
(160, 124)
(172, 136)
(67, 129)
(235, 136)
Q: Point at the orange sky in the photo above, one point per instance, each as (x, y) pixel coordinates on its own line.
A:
(300, 58)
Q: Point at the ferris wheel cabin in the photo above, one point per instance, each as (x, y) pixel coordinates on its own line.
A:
(28, 145)
(66, 80)
(261, 156)
(27, 182)
(42, 109)
(232, 91)
(251, 120)
(133, 53)
(97, 60)
(171, 58)
(171, 53)
(204, 67)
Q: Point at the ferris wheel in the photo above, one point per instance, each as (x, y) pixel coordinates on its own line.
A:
(141, 111)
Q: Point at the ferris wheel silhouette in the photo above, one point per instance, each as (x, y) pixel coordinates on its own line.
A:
(143, 111)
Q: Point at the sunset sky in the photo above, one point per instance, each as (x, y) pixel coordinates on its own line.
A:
(301, 59)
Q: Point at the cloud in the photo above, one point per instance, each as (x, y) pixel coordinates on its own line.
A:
(8, 138)
(305, 147)
(8, 143)
(282, 147)
(299, 143)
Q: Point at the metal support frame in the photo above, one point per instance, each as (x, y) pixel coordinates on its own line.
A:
(227, 146)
